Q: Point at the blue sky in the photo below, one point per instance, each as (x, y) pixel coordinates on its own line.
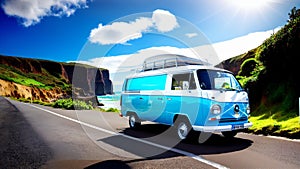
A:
(59, 31)
(90, 31)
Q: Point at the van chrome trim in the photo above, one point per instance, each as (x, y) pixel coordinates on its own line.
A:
(132, 91)
(218, 128)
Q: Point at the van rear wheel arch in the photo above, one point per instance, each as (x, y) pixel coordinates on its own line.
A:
(134, 121)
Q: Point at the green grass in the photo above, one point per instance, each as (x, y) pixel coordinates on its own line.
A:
(71, 104)
(43, 80)
(32, 101)
(276, 124)
(114, 110)
(68, 104)
(17, 77)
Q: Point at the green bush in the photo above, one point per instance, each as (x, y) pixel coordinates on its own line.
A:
(112, 110)
(247, 67)
(81, 105)
(71, 104)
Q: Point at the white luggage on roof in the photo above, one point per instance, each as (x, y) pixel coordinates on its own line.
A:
(170, 60)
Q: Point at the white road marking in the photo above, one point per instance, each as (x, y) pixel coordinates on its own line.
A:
(194, 156)
(274, 137)
(285, 139)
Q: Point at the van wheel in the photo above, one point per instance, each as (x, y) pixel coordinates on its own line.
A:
(229, 134)
(134, 121)
(183, 128)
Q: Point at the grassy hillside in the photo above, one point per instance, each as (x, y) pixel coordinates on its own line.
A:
(38, 73)
(271, 73)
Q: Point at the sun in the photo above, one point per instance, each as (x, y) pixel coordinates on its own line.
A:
(249, 5)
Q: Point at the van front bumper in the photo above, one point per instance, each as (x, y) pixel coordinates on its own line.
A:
(222, 128)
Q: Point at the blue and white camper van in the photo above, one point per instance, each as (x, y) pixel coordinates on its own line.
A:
(186, 93)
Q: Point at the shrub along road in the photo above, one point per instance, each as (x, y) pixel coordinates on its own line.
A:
(35, 136)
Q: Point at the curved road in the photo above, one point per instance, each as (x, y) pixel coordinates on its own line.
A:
(35, 136)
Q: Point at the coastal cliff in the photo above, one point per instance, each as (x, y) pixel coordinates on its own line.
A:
(48, 81)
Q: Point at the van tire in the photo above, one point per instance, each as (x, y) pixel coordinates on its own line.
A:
(134, 121)
(229, 134)
(182, 128)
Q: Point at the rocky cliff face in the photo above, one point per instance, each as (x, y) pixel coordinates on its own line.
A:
(48, 80)
(93, 81)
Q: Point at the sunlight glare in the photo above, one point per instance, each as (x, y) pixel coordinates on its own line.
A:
(249, 4)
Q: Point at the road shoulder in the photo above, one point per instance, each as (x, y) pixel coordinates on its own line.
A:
(19, 143)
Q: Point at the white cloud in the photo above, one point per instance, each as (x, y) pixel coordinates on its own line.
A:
(243, 44)
(122, 32)
(32, 11)
(164, 20)
(191, 35)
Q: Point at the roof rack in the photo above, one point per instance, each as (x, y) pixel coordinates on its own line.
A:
(169, 60)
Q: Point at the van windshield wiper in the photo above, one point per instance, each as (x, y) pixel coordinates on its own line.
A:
(238, 90)
(231, 89)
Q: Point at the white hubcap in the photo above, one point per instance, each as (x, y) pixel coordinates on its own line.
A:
(132, 121)
(182, 130)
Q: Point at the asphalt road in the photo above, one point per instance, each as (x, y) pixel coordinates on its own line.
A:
(35, 136)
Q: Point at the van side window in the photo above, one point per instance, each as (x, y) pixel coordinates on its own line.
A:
(146, 83)
(184, 81)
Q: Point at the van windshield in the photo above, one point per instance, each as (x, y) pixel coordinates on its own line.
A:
(217, 80)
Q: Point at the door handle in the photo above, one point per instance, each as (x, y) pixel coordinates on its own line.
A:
(169, 99)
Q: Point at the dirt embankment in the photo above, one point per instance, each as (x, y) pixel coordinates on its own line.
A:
(11, 89)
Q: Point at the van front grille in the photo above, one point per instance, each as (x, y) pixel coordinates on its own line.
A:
(233, 119)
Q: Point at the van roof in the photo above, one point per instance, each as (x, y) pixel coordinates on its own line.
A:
(171, 64)
(175, 70)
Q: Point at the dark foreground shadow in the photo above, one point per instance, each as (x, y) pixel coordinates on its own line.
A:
(155, 141)
(209, 143)
(109, 164)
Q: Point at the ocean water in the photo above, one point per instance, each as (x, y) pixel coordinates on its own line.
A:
(110, 101)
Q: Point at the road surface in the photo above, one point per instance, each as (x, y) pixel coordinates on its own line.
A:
(35, 136)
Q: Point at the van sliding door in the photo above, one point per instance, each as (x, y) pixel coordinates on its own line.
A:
(182, 98)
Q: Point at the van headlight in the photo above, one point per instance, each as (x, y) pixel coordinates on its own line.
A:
(248, 110)
(215, 109)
